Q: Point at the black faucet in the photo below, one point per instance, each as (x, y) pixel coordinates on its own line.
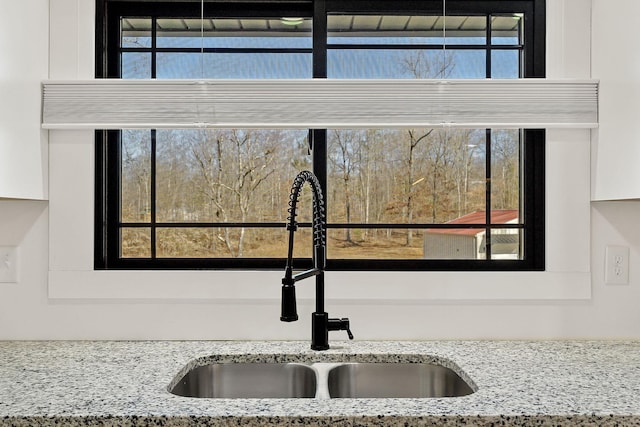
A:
(320, 322)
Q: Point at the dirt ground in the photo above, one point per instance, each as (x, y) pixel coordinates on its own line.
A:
(374, 244)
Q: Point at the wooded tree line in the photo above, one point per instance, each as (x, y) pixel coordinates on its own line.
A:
(399, 176)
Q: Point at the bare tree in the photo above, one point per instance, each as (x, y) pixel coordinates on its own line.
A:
(232, 165)
(175, 200)
(414, 141)
(464, 148)
(345, 151)
(136, 176)
(439, 155)
(418, 65)
(505, 148)
(371, 160)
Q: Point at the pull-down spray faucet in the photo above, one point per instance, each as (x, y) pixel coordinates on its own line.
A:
(320, 322)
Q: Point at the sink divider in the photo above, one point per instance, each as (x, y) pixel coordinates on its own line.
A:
(322, 377)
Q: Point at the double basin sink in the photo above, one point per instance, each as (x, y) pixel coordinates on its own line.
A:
(321, 380)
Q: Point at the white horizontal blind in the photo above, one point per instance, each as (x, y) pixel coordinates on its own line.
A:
(319, 103)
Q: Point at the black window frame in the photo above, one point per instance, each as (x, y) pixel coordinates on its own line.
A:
(107, 154)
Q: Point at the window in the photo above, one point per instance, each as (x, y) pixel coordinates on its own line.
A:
(420, 199)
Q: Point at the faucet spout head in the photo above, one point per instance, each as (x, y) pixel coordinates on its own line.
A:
(288, 309)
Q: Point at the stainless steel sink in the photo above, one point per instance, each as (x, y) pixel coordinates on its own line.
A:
(395, 380)
(320, 380)
(248, 380)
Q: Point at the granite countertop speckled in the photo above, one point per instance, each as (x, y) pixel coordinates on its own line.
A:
(87, 383)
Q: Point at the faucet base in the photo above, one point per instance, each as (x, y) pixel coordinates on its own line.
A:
(319, 331)
(318, 348)
(320, 327)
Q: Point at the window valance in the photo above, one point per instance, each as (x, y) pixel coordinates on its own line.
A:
(319, 103)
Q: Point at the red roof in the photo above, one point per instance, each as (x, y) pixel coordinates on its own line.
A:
(498, 216)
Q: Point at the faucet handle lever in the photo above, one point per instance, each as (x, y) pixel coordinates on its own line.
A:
(345, 326)
(340, 325)
(349, 333)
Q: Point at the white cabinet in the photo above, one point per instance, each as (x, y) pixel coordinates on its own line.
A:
(24, 63)
(616, 62)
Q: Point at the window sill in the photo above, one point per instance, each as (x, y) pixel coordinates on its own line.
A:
(348, 287)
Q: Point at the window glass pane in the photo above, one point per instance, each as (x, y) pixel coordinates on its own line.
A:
(258, 65)
(136, 65)
(234, 65)
(457, 243)
(179, 65)
(506, 244)
(505, 64)
(135, 243)
(389, 63)
(289, 33)
(505, 169)
(404, 175)
(179, 32)
(135, 175)
(465, 30)
(271, 33)
(230, 242)
(379, 29)
(467, 64)
(136, 32)
(375, 243)
(406, 29)
(227, 175)
(392, 63)
(506, 30)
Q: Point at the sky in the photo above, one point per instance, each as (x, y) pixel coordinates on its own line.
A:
(468, 63)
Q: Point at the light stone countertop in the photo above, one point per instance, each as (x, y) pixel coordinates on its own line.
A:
(519, 383)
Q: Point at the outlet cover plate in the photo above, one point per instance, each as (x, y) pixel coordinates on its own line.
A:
(616, 265)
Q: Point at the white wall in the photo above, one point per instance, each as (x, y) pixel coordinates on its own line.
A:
(215, 305)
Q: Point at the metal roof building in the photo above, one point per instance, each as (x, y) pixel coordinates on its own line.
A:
(470, 243)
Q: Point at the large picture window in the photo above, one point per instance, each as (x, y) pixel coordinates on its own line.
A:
(397, 198)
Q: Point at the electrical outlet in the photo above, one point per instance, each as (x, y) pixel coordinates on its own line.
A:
(8, 264)
(617, 265)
